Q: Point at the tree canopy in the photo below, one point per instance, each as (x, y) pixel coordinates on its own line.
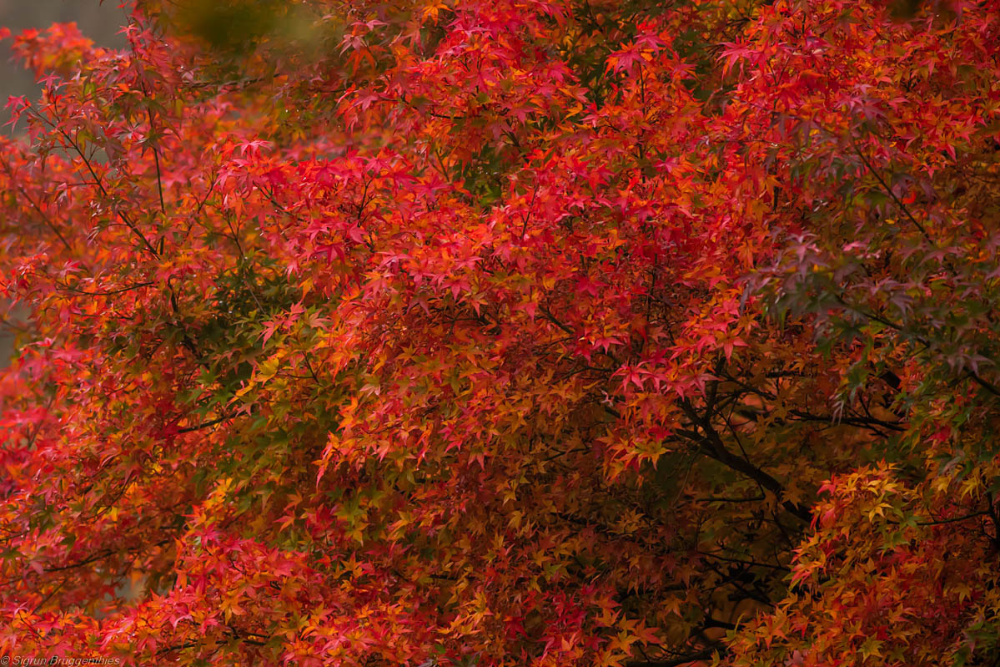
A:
(506, 332)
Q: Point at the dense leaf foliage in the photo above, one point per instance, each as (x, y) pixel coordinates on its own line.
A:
(550, 332)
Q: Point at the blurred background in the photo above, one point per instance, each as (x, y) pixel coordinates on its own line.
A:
(100, 22)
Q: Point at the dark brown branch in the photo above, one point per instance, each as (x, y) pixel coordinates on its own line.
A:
(208, 424)
(107, 293)
(675, 661)
(712, 446)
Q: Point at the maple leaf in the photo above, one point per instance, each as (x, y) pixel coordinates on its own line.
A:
(390, 353)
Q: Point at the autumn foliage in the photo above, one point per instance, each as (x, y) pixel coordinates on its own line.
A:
(506, 332)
